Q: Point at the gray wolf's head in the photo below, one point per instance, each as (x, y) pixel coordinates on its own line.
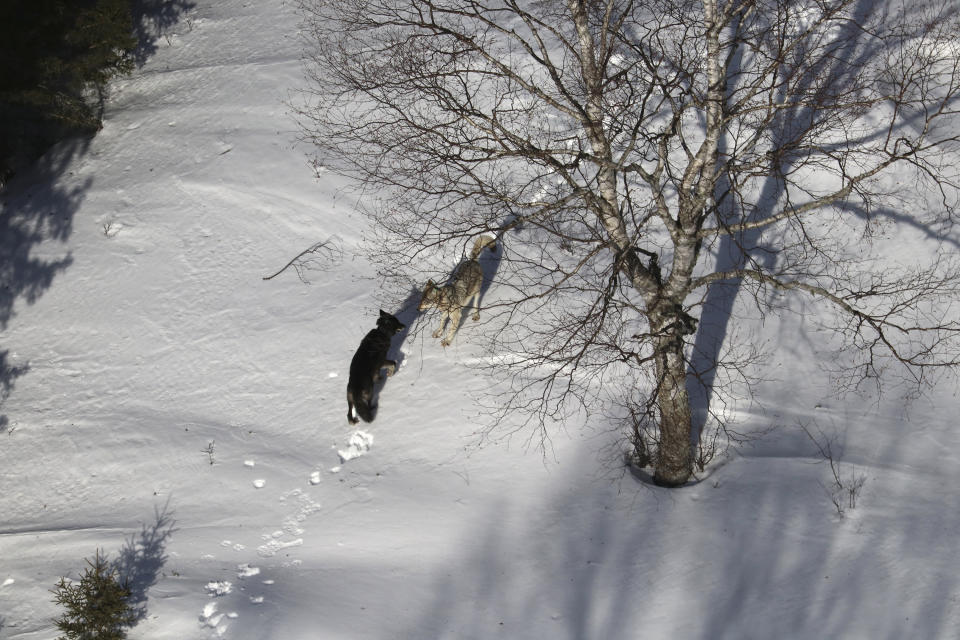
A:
(431, 296)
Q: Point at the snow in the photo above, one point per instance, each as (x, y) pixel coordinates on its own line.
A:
(153, 372)
(359, 443)
(219, 588)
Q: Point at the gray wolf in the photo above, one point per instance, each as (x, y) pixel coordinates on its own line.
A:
(370, 358)
(451, 299)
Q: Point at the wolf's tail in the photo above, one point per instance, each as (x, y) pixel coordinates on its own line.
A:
(480, 243)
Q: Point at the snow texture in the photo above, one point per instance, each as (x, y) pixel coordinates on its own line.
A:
(141, 331)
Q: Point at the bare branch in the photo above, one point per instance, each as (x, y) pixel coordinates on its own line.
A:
(630, 155)
(326, 250)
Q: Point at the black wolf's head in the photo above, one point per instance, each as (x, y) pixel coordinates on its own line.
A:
(389, 323)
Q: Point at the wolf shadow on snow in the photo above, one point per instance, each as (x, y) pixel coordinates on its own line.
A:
(369, 362)
(409, 314)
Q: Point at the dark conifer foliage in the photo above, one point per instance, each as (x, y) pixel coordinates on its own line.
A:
(56, 57)
(97, 607)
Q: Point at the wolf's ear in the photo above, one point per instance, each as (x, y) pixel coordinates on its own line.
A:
(384, 314)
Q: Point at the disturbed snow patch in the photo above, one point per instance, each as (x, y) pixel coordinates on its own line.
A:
(219, 588)
(359, 443)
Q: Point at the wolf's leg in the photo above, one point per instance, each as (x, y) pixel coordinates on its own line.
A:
(390, 366)
(454, 325)
(351, 410)
(476, 306)
(443, 323)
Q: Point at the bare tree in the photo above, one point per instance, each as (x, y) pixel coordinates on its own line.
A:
(638, 155)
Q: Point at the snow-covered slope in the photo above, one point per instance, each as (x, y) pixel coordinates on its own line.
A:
(171, 407)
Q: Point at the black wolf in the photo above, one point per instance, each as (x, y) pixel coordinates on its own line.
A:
(370, 358)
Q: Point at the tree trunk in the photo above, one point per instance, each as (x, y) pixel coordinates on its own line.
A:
(674, 458)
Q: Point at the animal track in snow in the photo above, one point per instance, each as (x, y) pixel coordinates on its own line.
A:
(359, 443)
(307, 506)
(288, 536)
(235, 547)
(273, 544)
(211, 617)
(246, 571)
(214, 619)
(219, 588)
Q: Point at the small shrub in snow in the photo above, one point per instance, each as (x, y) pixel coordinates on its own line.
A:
(844, 491)
(97, 607)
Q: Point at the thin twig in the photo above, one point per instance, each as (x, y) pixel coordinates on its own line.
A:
(297, 263)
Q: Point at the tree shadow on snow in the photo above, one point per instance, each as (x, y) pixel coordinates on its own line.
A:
(152, 19)
(36, 208)
(143, 557)
(735, 251)
(8, 374)
(38, 204)
(756, 550)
